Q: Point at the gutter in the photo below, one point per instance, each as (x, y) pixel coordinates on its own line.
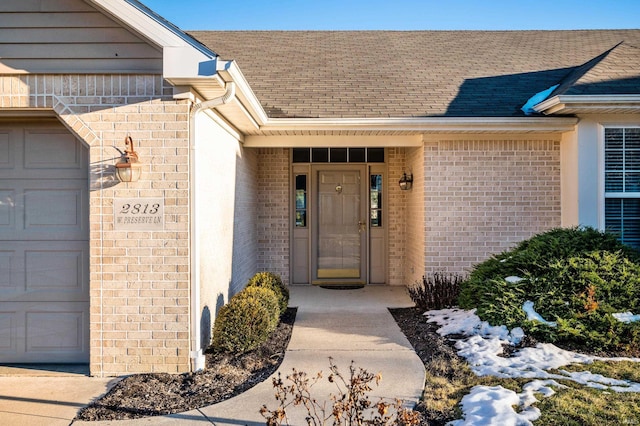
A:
(587, 103)
(196, 354)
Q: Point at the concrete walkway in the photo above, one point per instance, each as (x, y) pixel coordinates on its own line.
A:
(343, 324)
(45, 395)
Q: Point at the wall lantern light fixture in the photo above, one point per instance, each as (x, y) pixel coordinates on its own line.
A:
(406, 181)
(128, 168)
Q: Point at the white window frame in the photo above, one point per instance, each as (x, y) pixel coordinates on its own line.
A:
(603, 194)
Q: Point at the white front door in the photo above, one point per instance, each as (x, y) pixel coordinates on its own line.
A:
(339, 237)
(44, 245)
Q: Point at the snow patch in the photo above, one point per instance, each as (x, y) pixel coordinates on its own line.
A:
(532, 315)
(482, 346)
(492, 405)
(627, 317)
(513, 279)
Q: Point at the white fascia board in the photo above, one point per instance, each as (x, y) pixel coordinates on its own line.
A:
(140, 22)
(558, 103)
(230, 71)
(426, 124)
(287, 141)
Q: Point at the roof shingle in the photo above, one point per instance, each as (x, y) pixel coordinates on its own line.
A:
(358, 74)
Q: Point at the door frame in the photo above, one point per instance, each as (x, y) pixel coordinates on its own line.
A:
(300, 237)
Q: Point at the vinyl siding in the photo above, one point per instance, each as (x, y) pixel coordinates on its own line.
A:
(69, 36)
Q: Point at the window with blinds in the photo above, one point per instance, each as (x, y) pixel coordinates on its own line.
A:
(622, 183)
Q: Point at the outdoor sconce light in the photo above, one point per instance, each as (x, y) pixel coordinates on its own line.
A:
(128, 168)
(406, 181)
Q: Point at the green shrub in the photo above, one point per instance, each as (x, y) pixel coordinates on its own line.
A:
(273, 282)
(581, 293)
(576, 277)
(533, 256)
(246, 321)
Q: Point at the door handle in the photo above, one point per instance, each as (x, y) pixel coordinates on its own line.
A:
(362, 226)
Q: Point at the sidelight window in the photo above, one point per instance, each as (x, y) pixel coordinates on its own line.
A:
(375, 206)
(301, 201)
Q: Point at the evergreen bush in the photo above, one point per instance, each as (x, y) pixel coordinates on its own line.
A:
(533, 256)
(247, 320)
(576, 277)
(273, 282)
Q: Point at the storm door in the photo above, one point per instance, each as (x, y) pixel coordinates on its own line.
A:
(339, 235)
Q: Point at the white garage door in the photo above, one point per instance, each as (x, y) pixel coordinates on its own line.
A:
(44, 245)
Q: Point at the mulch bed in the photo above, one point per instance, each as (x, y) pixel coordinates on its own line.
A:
(143, 395)
(226, 375)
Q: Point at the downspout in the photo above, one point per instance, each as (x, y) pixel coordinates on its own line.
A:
(196, 354)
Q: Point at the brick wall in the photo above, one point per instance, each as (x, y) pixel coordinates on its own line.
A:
(406, 212)
(484, 196)
(397, 216)
(414, 267)
(139, 281)
(273, 211)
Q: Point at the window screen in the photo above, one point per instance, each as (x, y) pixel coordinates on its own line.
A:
(622, 183)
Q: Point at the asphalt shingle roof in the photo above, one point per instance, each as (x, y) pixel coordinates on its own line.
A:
(615, 71)
(331, 74)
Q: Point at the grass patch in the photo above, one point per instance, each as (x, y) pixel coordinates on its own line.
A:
(621, 370)
(581, 406)
(449, 380)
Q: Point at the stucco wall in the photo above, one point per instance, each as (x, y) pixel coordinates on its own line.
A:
(245, 226)
(587, 151)
(483, 195)
(139, 281)
(225, 218)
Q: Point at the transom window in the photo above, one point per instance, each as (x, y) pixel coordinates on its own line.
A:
(622, 183)
(338, 155)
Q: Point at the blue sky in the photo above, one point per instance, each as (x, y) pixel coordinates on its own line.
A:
(398, 14)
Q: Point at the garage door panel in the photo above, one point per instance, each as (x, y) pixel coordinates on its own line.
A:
(55, 331)
(8, 332)
(7, 270)
(47, 149)
(54, 270)
(41, 153)
(53, 208)
(50, 150)
(55, 274)
(43, 210)
(32, 332)
(7, 157)
(7, 208)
